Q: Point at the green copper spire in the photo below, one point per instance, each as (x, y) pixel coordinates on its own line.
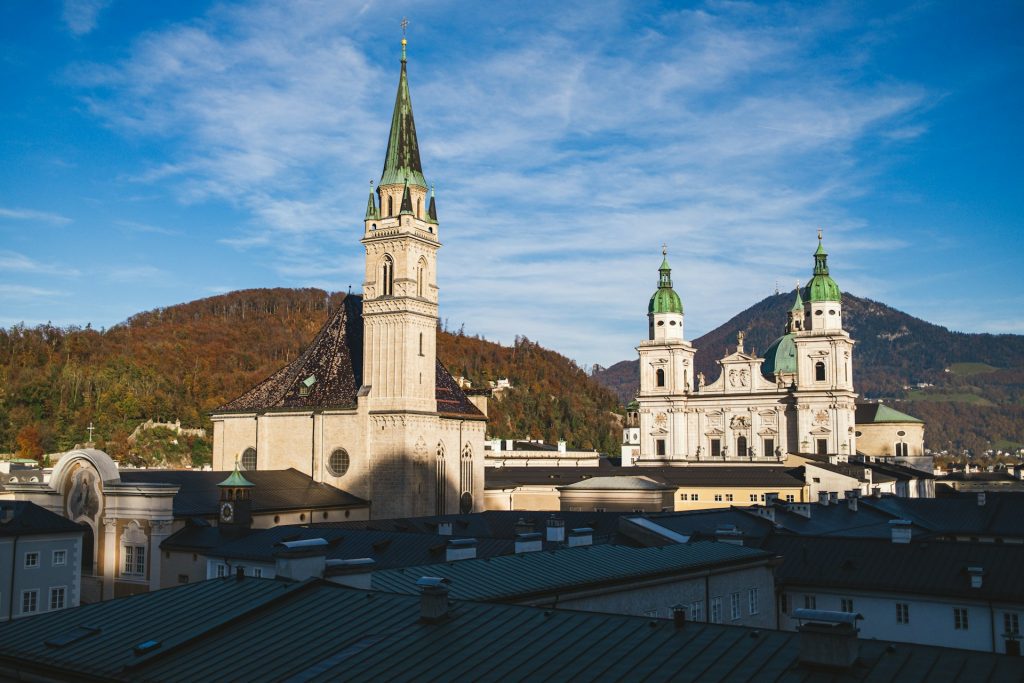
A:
(798, 305)
(822, 287)
(432, 209)
(402, 160)
(236, 480)
(665, 300)
(796, 314)
(372, 212)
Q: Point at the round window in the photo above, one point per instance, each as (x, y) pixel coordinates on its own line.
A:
(671, 322)
(660, 323)
(818, 312)
(337, 464)
(858, 433)
(901, 433)
(249, 459)
(831, 312)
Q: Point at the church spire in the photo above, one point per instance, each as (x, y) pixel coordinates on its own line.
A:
(432, 209)
(402, 161)
(406, 209)
(372, 213)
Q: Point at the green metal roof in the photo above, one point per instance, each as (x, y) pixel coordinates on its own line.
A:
(526, 574)
(780, 356)
(264, 629)
(822, 287)
(798, 304)
(402, 161)
(665, 300)
(868, 413)
(372, 212)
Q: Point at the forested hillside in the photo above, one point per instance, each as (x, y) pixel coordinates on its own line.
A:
(976, 397)
(182, 361)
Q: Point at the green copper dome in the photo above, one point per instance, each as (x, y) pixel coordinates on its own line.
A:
(236, 480)
(665, 300)
(780, 357)
(821, 287)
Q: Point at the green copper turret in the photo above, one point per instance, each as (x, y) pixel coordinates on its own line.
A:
(665, 300)
(821, 287)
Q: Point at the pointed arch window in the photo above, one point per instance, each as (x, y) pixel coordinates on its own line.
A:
(391, 206)
(419, 208)
(819, 371)
(466, 480)
(659, 377)
(440, 482)
(421, 277)
(387, 275)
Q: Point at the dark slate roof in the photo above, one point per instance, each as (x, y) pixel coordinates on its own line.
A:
(900, 472)
(335, 359)
(387, 549)
(854, 470)
(273, 490)
(924, 567)
(705, 523)
(29, 519)
(494, 523)
(838, 520)
(1002, 515)
(695, 476)
(540, 573)
(261, 629)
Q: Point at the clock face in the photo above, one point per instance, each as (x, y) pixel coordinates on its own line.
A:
(227, 511)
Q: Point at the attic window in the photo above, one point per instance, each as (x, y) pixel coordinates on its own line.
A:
(307, 385)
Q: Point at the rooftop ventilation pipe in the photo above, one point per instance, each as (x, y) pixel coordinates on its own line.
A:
(300, 560)
(529, 543)
(555, 530)
(679, 616)
(581, 536)
(444, 528)
(460, 549)
(357, 572)
(901, 531)
(976, 574)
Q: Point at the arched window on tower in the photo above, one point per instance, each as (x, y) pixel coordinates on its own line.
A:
(419, 208)
(440, 482)
(391, 206)
(466, 480)
(819, 371)
(421, 277)
(249, 459)
(387, 276)
(659, 377)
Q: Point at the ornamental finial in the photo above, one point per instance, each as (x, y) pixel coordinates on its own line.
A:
(664, 249)
(819, 234)
(405, 25)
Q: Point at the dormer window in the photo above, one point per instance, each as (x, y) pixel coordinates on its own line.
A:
(307, 385)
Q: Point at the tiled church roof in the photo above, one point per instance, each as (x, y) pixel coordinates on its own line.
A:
(334, 363)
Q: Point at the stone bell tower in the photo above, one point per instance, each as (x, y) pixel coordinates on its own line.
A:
(400, 290)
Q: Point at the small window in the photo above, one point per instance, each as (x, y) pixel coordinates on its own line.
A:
(819, 371)
(716, 610)
(1011, 624)
(753, 497)
(822, 446)
(831, 312)
(222, 571)
(660, 323)
(421, 343)
(58, 596)
(899, 433)
(716, 448)
(697, 611)
(734, 606)
(338, 462)
(728, 497)
(249, 459)
(31, 560)
(785, 605)
(817, 312)
(134, 560)
(846, 605)
(753, 601)
(960, 618)
(660, 446)
(790, 498)
(718, 497)
(659, 377)
(29, 602)
(694, 496)
(182, 578)
(60, 558)
(671, 322)
(257, 572)
(769, 447)
(902, 613)
(810, 602)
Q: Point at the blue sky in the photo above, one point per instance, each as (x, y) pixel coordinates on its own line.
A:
(155, 153)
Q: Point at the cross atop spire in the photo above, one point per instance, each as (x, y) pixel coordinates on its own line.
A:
(405, 25)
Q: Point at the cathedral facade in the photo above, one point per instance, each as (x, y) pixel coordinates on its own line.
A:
(368, 407)
(797, 399)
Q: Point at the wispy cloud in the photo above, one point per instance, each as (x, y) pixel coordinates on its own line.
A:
(33, 215)
(141, 273)
(27, 292)
(19, 263)
(564, 154)
(135, 226)
(81, 16)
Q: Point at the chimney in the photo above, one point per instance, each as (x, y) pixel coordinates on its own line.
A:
(802, 509)
(766, 512)
(679, 616)
(827, 639)
(833, 497)
(555, 530)
(530, 542)
(976, 574)
(981, 499)
(901, 531)
(581, 536)
(460, 549)
(300, 560)
(823, 498)
(852, 499)
(357, 573)
(771, 499)
(561, 445)
(444, 528)
(433, 599)
(876, 491)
